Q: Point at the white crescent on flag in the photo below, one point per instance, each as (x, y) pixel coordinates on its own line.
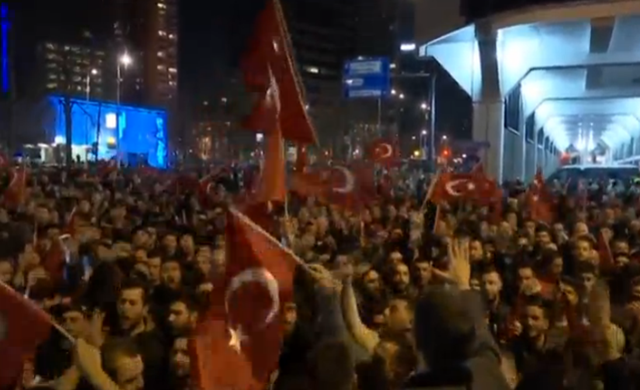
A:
(265, 278)
(451, 186)
(349, 181)
(386, 150)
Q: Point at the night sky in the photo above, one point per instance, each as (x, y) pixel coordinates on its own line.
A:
(214, 34)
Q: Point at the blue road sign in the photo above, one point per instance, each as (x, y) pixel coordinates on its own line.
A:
(366, 78)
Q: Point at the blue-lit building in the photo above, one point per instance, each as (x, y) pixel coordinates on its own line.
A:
(137, 135)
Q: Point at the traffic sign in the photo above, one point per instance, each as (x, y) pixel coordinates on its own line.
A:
(366, 78)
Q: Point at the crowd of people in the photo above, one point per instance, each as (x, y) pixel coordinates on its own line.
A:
(388, 298)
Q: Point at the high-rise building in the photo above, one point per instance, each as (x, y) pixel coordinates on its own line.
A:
(72, 69)
(148, 31)
(322, 35)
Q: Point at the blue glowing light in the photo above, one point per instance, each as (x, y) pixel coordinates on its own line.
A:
(4, 54)
(140, 131)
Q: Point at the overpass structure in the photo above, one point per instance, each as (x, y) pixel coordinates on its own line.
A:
(548, 79)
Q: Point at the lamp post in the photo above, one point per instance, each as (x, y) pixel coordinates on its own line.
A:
(92, 72)
(428, 107)
(124, 60)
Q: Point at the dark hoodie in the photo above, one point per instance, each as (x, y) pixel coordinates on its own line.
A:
(449, 325)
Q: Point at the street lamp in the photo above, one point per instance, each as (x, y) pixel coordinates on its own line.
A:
(124, 60)
(423, 106)
(92, 72)
(401, 96)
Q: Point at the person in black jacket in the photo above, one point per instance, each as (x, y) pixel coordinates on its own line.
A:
(452, 336)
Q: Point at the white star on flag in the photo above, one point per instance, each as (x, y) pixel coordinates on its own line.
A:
(237, 337)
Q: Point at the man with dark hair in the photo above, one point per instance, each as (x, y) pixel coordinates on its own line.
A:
(122, 362)
(183, 314)
(452, 336)
(135, 323)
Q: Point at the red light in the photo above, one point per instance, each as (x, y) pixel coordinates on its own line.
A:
(446, 152)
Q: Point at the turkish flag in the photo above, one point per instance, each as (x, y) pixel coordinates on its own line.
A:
(474, 187)
(269, 70)
(16, 191)
(382, 151)
(272, 185)
(22, 327)
(539, 200)
(452, 186)
(348, 186)
(237, 345)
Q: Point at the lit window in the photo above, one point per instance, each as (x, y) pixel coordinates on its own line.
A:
(162, 67)
(161, 54)
(52, 85)
(162, 6)
(111, 121)
(162, 33)
(50, 46)
(312, 69)
(173, 70)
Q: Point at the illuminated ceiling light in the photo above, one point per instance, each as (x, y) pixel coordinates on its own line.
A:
(407, 47)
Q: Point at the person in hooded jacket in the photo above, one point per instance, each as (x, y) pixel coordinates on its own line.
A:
(451, 335)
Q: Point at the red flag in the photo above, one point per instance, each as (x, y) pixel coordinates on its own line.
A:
(604, 252)
(15, 193)
(269, 69)
(22, 327)
(301, 158)
(383, 152)
(53, 260)
(348, 186)
(474, 187)
(309, 183)
(238, 345)
(272, 185)
(539, 200)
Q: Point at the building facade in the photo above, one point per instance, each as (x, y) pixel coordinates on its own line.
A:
(147, 30)
(322, 35)
(77, 70)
